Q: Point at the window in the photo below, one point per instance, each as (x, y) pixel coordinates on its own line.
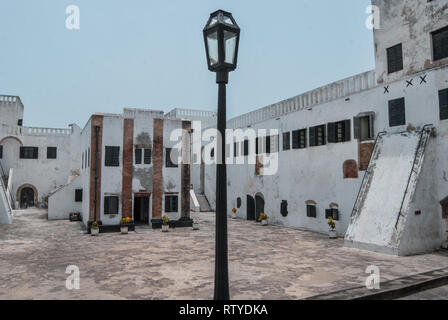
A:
(397, 115)
(246, 147)
(112, 157)
(171, 153)
(443, 102)
(20, 122)
(334, 213)
(299, 139)
(138, 156)
(311, 211)
(440, 44)
(1, 152)
(395, 58)
(317, 136)
(52, 152)
(284, 208)
(29, 152)
(267, 143)
(286, 141)
(88, 158)
(78, 195)
(82, 160)
(147, 156)
(339, 131)
(363, 126)
(238, 202)
(111, 205)
(258, 147)
(171, 203)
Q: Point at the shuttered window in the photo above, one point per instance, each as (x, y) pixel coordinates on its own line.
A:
(440, 44)
(284, 208)
(267, 144)
(286, 141)
(363, 126)
(147, 156)
(111, 205)
(112, 158)
(171, 153)
(29, 152)
(171, 203)
(395, 58)
(78, 195)
(397, 114)
(246, 147)
(317, 136)
(339, 131)
(299, 139)
(138, 156)
(334, 213)
(52, 152)
(311, 211)
(1, 152)
(443, 102)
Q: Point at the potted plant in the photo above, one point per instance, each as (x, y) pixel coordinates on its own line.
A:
(234, 213)
(332, 232)
(124, 225)
(94, 228)
(165, 225)
(263, 219)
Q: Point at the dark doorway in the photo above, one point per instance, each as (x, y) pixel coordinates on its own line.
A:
(141, 210)
(26, 198)
(250, 208)
(259, 205)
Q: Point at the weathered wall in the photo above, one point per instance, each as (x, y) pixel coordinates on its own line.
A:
(62, 202)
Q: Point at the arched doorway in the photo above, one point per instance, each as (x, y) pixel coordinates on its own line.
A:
(250, 203)
(27, 196)
(259, 205)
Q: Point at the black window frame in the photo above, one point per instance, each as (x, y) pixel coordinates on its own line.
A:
(111, 205)
(29, 152)
(311, 211)
(286, 137)
(78, 195)
(314, 137)
(112, 156)
(299, 139)
(338, 132)
(246, 147)
(1, 151)
(138, 155)
(358, 125)
(52, 152)
(440, 49)
(147, 156)
(171, 203)
(395, 58)
(397, 112)
(168, 162)
(443, 104)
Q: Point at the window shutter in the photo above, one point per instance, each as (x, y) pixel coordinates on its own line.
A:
(440, 44)
(1, 152)
(397, 115)
(235, 154)
(311, 211)
(138, 156)
(371, 126)
(286, 140)
(328, 213)
(35, 153)
(331, 128)
(106, 205)
(395, 58)
(443, 102)
(246, 147)
(296, 139)
(312, 134)
(347, 130)
(268, 144)
(147, 156)
(284, 208)
(257, 149)
(357, 128)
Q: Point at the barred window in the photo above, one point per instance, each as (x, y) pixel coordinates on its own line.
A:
(440, 44)
(112, 158)
(397, 115)
(171, 203)
(111, 205)
(29, 152)
(52, 152)
(395, 58)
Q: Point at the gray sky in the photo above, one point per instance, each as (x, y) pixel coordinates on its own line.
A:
(147, 53)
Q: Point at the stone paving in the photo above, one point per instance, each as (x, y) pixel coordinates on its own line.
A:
(264, 262)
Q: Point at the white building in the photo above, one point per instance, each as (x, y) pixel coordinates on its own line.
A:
(326, 138)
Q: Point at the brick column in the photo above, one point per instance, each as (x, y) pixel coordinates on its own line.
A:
(185, 170)
(95, 166)
(128, 149)
(157, 179)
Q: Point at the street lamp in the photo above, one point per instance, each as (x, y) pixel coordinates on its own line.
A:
(221, 38)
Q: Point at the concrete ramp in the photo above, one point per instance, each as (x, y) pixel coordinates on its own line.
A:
(378, 221)
(6, 213)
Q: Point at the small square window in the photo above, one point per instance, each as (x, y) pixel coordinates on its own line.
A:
(395, 58)
(29, 152)
(171, 203)
(397, 114)
(52, 152)
(299, 139)
(78, 195)
(311, 211)
(111, 205)
(170, 154)
(440, 44)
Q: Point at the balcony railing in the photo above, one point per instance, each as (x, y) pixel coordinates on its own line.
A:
(35, 131)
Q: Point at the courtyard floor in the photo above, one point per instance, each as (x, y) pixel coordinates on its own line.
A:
(264, 262)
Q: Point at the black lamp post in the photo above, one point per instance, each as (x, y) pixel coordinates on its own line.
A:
(221, 37)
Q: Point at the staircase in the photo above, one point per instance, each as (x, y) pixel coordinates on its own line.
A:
(378, 221)
(203, 203)
(6, 214)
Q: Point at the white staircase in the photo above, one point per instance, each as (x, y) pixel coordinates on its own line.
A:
(203, 203)
(382, 208)
(6, 214)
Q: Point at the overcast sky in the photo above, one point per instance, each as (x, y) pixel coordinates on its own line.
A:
(150, 54)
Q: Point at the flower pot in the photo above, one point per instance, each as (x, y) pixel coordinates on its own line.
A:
(264, 222)
(94, 232)
(234, 216)
(332, 234)
(195, 226)
(124, 229)
(165, 228)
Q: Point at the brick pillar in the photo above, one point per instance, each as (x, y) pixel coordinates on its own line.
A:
(95, 166)
(157, 178)
(185, 170)
(128, 149)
